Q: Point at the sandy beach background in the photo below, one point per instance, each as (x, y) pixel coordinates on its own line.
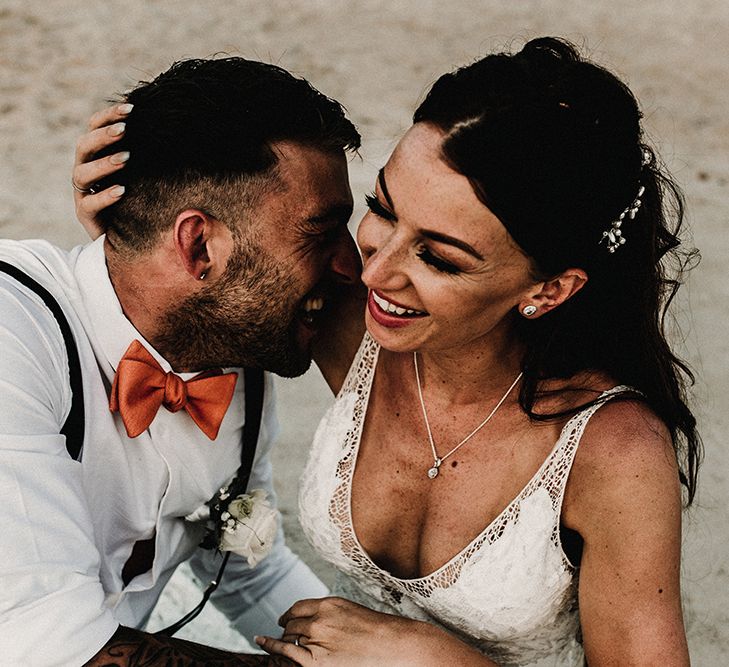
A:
(60, 59)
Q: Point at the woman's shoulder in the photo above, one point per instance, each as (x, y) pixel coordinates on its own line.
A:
(625, 461)
(624, 430)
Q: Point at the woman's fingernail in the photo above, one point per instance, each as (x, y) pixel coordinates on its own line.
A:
(119, 158)
(117, 191)
(125, 108)
(258, 639)
(117, 128)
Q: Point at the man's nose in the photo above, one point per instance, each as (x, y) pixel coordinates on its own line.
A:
(345, 264)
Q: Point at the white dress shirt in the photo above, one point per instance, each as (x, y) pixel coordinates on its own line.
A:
(67, 528)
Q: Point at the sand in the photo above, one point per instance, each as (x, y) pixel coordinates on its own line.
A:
(60, 59)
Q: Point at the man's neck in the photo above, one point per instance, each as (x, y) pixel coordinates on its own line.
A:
(145, 287)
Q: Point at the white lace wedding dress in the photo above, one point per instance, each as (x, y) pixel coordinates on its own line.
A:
(511, 593)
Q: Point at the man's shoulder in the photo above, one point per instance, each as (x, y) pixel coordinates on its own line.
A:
(44, 262)
(26, 320)
(36, 263)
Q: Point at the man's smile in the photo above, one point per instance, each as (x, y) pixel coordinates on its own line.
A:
(310, 308)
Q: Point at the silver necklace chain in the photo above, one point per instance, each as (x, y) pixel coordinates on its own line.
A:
(438, 460)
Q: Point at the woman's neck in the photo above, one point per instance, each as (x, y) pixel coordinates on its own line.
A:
(468, 373)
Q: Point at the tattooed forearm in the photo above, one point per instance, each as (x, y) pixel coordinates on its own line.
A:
(133, 648)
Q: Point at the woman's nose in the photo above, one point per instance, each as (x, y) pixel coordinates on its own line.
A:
(383, 262)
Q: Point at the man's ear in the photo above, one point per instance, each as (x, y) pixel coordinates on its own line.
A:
(195, 236)
(553, 292)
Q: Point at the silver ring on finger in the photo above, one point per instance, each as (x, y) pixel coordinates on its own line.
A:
(83, 191)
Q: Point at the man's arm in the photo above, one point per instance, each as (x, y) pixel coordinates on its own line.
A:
(52, 607)
(134, 648)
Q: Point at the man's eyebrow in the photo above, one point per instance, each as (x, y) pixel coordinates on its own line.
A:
(385, 192)
(444, 238)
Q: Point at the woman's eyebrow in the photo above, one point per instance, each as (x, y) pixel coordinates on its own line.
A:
(383, 187)
(433, 235)
(449, 240)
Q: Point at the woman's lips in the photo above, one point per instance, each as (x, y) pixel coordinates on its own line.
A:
(390, 320)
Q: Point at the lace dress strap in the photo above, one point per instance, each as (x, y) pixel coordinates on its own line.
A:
(559, 463)
(363, 365)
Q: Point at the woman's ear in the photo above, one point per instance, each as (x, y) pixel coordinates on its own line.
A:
(202, 243)
(553, 292)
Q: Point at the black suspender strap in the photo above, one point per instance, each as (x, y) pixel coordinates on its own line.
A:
(73, 429)
(253, 378)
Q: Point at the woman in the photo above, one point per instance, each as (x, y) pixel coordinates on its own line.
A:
(497, 481)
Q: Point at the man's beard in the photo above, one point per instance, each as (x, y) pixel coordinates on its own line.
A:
(247, 318)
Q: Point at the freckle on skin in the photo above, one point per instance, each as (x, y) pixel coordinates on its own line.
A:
(660, 590)
(454, 464)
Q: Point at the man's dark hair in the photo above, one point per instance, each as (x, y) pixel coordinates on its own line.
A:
(203, 128)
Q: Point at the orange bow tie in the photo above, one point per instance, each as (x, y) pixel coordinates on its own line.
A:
(141, 387)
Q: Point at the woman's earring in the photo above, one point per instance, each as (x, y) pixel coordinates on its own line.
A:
(203, 274)
(528, 311)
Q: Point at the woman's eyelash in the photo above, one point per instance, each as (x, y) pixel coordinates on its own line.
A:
(373, 203)
(436, 262)
(378, 209)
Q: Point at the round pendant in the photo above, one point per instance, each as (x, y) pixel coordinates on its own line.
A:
(433, 472)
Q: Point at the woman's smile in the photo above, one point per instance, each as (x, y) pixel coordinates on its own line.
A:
(390, 314)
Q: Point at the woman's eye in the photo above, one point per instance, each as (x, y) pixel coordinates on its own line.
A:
(436, 262)
(378, 209)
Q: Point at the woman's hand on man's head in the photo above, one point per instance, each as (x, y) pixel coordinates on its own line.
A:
(105, 128)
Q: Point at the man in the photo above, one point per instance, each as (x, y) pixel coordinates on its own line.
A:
(229, 242)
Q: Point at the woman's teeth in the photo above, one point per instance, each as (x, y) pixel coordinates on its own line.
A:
(392, 308)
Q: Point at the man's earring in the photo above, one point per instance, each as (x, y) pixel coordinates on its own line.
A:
(203, 274)
(528, 311)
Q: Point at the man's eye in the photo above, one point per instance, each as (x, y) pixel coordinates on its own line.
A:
(436, 262)
(378, 209)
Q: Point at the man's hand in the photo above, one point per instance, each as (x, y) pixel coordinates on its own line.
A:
(128, 648)
(105, 128)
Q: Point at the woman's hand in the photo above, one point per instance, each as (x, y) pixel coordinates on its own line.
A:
(105, 127)
(334, 631)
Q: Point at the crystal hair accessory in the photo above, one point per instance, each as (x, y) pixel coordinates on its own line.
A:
(614, 234)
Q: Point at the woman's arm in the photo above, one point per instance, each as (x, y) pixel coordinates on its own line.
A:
(340, 633)
(341, 333)
(624, 498)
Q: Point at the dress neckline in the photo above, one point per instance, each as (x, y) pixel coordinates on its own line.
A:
(523, 493)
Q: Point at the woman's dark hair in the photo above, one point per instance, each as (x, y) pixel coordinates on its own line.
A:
(552, 145)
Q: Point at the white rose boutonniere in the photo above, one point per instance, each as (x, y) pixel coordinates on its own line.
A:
(245, 524)
(249, 526)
